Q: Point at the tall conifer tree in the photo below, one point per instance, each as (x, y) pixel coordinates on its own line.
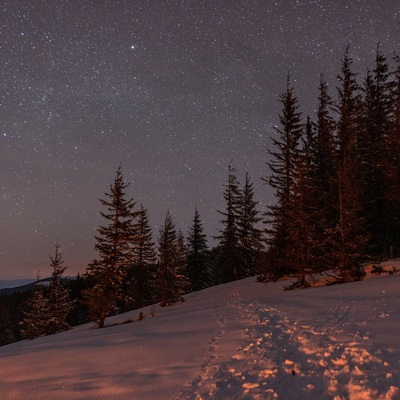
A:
(199, 273)
(141, 279)
(393, 167)
(377, 124)
(325, 164)
(303, 233)
(58, 295)
(181, 261)
(48, 308)
(36, 317)
(250, 235)
(229, 267)
(108, 272)
(349, 238)
(6, 327)
(282, 178)
(170, 282)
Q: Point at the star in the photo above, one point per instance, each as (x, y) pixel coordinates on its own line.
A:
(77, 101)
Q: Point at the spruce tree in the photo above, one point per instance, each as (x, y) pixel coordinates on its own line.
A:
(36, 317)
(325, 163)
(349, 238)
(6, 327)
(393, 167)
(377, 124)
(303, 235)
(181, 261)
(199, 272)
(282, 165)
(115, 248)
(317, 171)
(250, 235)
(142, 269)
(170, 282)
(229, 262)
(58, 296)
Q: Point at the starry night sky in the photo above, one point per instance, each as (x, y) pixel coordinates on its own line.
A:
(173, 90)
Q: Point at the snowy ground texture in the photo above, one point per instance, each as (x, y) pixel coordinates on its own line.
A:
(243, 340)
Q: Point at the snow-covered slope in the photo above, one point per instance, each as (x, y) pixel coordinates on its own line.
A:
(243, 340)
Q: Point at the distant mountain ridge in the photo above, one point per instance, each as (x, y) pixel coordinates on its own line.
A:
(11, 283)
(19, 285)
(24, 285)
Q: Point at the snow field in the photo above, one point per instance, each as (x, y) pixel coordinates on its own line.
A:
(243, 340)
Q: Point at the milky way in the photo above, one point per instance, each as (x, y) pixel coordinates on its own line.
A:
(172, 90)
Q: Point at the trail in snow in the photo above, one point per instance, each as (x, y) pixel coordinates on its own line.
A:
(321, 354)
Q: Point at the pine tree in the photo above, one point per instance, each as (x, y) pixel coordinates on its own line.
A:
(58, 296)
(305, 242)
(349, 238)
(79, 312)
(36, 317)
(229, 267)
(323, 169)
(6, 328)
(317, 172)
(393, 167)
(199, 272)
(348, 107)
(250, 236)
(181, 261)
(170, 282)
(374, 152)
(141, 271)
(282, 165)
(325, 163)
(114, 245)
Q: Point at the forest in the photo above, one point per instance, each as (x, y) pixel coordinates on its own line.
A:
(336, 180)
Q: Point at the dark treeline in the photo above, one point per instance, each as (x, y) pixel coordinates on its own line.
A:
(337, 178)
(132, 270)
(337, 186)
